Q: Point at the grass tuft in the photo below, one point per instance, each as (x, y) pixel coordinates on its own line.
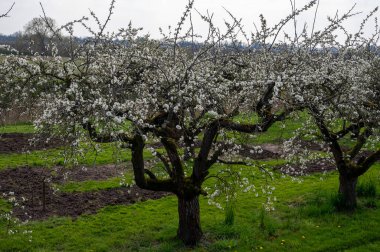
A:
(366, 188)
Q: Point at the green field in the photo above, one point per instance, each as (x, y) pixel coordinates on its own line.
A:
(304, 219)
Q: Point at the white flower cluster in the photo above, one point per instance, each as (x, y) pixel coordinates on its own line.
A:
(13, 224)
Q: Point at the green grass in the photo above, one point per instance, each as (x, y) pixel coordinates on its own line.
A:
(276, 134)
(35, 158)
(4, 206)
(304, 220)
(17, 128)
(366, 187)
(107, 155)
(90, 185)
(281, 131)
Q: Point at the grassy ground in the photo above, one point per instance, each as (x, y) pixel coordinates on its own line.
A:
(17, 128)
(304, 220)
(91, 185)
(54, 157)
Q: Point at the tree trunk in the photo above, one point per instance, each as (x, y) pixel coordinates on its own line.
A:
(189, 229)
(347, 189)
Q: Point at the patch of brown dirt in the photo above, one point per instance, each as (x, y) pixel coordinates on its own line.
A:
(264, 152)
(19, 142)
(312, 145)
(314, 166)
(28, 183)
(88, 173)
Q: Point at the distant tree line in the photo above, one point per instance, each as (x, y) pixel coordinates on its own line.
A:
(36, 38)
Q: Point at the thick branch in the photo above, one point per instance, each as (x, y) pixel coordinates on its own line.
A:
(215, 157)
(165, 163)
(329, 138)
(264, 106)
(139, 170)
(200, 164)
(349, 129)
(150, 174)
(268, 121)
(359, 143)
(368, 162)
(175, 160)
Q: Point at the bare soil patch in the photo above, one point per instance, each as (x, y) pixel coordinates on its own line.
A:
(80, 173)
(313, 166)
(28, 183)
(20, 142)
(264, 152)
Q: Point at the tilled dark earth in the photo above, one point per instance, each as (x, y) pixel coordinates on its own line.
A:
(319, 165)
(19, 142)
(28, 183)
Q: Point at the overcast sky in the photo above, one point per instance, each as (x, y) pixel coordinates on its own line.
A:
(152, 14)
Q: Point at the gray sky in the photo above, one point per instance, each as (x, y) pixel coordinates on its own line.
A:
(153, 14)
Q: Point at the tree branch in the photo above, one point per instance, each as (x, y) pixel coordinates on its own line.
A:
(8, 11)
(263, 107)
(139, 170)
(150, 174)
(330, 138)
(175, 160)
(351, 128)
(200, 163)
(368, 162)
(359, 144)
(165, 163)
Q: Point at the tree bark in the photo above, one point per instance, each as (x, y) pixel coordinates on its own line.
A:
(347, 189)
(189, 228)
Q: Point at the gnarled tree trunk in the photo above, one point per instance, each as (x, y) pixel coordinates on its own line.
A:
(347, 189)
(189, 228)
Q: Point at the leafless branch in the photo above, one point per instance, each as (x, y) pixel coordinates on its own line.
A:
(9, 10)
